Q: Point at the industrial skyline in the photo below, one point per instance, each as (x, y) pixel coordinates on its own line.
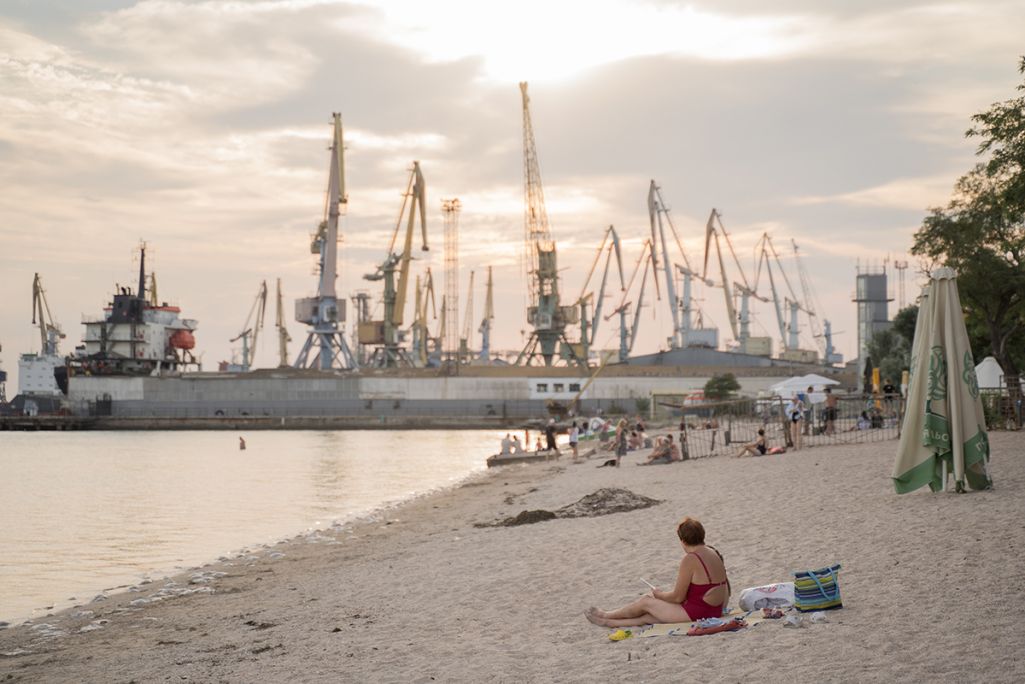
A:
(202, 128)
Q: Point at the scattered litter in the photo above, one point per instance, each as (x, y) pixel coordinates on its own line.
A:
(819, 616)
(15, 653)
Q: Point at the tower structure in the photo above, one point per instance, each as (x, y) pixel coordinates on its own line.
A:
(871, 296)
(450, 334)
(545, 314)
(325, 347)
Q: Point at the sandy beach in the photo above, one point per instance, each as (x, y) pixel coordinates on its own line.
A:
(932, 585)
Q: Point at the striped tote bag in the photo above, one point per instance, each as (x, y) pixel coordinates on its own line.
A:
(817, 589)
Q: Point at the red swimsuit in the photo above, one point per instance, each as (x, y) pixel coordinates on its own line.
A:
(695, 604)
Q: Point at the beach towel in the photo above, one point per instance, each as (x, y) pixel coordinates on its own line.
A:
(752, 618)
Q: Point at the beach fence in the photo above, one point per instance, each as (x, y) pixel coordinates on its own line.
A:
(717, 428)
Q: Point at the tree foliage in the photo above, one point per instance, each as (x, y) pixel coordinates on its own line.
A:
(890, 350)
(720, 387)
(981, 234)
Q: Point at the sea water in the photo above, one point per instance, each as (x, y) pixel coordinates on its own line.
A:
(84, 512)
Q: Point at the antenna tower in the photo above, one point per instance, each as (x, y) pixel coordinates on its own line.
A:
(450, 209)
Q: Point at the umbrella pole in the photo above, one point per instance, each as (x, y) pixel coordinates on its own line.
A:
(943, 470)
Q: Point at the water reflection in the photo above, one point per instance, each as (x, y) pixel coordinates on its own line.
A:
(87, 511)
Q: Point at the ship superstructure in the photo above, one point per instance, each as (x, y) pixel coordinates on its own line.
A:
(135, 336)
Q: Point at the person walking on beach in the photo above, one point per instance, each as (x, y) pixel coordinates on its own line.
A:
(241, 443)
(702, 588)
(550, 436)
(620, 440)
(795, 413)
(574, 437)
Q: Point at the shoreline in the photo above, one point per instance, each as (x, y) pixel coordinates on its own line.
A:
(149, 576)
(420, 593)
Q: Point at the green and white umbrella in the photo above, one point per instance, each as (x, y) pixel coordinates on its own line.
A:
(944, 428)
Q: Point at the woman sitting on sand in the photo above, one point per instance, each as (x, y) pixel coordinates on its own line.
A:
(702, 589)
(755, 448)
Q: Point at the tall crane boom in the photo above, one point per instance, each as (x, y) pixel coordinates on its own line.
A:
(49, 331)
(252, 327)
(485, 324)
(325, 347)
(283, 337)
(545, 314)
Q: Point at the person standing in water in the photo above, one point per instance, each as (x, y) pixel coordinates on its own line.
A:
(241, 443)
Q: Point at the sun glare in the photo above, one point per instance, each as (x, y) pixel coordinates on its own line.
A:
(543, 40)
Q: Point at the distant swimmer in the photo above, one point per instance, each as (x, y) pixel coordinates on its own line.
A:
(241, 444)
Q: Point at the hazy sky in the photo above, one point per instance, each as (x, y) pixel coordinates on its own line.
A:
(202, 127)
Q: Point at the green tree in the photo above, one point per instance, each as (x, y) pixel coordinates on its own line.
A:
(891, 353)
(721, 387)
(981, 235)
(904, 322)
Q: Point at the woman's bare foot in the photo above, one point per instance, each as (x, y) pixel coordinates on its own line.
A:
(595, 616)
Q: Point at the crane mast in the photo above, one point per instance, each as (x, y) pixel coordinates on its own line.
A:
(283, 337)
(385, 334)
(49, 332)
(252, 327)
(545, 314)
(325, 347)
(485, 324)
(464, 340)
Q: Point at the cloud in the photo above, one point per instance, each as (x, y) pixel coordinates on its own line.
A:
(914, 194)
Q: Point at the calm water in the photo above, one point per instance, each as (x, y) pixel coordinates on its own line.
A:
(82, 512)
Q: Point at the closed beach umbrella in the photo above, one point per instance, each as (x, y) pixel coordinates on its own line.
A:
(944, 429)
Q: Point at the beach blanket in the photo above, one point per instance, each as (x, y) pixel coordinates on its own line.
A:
(680, 628)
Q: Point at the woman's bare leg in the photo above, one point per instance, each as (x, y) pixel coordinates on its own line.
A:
(646, 607)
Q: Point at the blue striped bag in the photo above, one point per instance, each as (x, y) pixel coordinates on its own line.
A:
(817, 589)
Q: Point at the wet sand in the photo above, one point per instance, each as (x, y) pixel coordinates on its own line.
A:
(932, 585)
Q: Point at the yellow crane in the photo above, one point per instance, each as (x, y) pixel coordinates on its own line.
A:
(384, 334)
(49, 331)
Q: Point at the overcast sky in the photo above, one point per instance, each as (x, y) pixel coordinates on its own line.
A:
(202, 128)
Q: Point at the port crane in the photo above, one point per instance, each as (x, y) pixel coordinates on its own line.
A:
(545, 313)
(685, 333)
(588, 330)
(464, 339)
(788, 331)
(386, 334)
(485, 323)
(252, 327)
(628, 333)
(325, 347)
(740, 324)
(49, 332)
(823, 334)
(422, 339)
(283, 337)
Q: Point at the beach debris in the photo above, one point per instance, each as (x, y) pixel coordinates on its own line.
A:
(606, 501)
(528, 518)
(4, 625)
(99, 597)
(602, 502)
(15, 653)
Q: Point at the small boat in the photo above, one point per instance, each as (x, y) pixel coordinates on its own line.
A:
(522, 457)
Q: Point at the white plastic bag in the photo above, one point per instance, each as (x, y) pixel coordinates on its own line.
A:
(779, 595)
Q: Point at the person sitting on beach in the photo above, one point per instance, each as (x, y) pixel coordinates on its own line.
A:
(755, 448)
(634, 442)
(506, 444)
(665, 451)
(702, 588)
(516, 446)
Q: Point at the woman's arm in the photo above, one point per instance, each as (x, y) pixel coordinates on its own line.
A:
(679, 592)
